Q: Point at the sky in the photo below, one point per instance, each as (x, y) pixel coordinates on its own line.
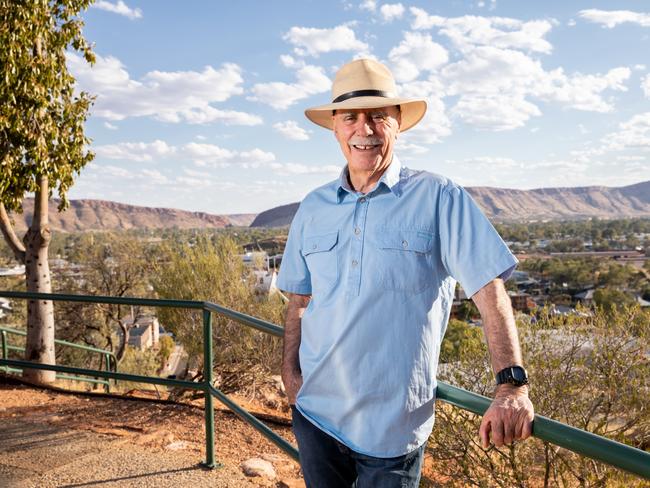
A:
(200, 105)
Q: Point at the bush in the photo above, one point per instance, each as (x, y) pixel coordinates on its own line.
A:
(590, 372)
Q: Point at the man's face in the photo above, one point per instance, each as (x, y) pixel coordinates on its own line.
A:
(367, 136)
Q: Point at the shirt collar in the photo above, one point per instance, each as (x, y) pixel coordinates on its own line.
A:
(389, 179)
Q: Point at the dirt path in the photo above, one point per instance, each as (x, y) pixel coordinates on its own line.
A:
(52, 439)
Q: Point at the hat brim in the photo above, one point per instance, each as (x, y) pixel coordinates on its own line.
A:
(412, 109)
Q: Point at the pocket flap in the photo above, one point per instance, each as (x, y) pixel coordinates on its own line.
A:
(320, 243)
(406, 240)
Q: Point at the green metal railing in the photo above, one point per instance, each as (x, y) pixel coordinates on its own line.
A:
(110, 361)
(579, 441)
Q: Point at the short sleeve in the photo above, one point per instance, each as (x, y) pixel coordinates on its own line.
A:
(472, 251)
(294, 276)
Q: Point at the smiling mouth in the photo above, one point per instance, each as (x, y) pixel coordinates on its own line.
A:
(365, 148)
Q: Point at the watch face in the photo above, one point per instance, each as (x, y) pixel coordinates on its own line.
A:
(519, 376)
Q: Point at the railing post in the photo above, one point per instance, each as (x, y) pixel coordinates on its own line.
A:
(207, 382)
(107, 360)
(5, 350)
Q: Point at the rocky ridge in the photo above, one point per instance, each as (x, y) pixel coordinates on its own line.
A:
(502, 204)
(83, 215)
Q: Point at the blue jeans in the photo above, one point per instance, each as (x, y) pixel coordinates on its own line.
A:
(326, 463)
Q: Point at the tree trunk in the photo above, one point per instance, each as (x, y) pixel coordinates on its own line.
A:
(40, 313)
(124, 341)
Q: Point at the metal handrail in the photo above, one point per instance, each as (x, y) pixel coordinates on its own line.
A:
(579, 441)
(109, 357)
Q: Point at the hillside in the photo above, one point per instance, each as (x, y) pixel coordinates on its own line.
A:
(83, 215)
(501, 204)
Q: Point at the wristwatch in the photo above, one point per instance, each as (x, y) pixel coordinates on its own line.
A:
(515, 375)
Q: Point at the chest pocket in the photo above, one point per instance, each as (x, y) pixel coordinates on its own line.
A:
(320, 255)
(406, 261)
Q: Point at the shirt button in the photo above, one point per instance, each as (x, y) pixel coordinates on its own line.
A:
(357, 231)
(405, 244)
(362, 200)
(354, 262)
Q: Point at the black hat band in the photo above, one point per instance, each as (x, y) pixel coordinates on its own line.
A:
(363, 93)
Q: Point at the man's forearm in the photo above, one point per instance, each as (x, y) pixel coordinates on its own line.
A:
(498, 325)
(292, 327)
(511, 413)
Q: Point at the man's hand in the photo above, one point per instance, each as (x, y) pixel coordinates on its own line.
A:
(292, 381)
(509, 418)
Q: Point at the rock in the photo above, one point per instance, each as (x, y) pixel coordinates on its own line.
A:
(258, 467)
(177, 446)
(272, 458)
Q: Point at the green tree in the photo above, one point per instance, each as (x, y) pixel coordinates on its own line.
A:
(114, 265)
(213, 271)
(457, 336)
(609, 299)
(166, 346)
(42, 141)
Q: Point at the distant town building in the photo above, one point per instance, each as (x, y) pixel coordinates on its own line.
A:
(144, 332)
(522, 302)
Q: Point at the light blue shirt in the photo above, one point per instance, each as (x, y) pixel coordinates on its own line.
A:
(381, 269)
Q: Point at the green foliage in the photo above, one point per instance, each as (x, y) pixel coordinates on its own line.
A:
(570, 236)
(459, 336)
(609, 299)
(144, 363)
(108, 264)
(41, 118)
(213, 271)
(590, 372)
(165, 348)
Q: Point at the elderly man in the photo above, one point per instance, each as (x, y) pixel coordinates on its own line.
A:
(371, 264)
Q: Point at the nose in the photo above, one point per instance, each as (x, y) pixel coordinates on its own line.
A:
(365, 127)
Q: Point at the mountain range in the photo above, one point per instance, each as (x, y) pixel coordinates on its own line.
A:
(503, 205)
(499, 204)
(83, 215)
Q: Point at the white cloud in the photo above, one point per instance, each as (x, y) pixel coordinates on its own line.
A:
(289, 61)
(154, 176)
(201, 154)
(423, 20)
(291, 130)
(487, 75)
(210, 155)
(120, 8)
(435, 125)
(582, 92)
(312, 41)
(179, 96)
(468, 31)
(369, 5)
(632, 134)
(135, 151)
(612, 18)
(279, 95)
(391, 11)
(417, 52)
(494, 112)
(302, 169)
(645, 86)
(110, 126)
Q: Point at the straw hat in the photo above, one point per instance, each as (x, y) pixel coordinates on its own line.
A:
(366, 83)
